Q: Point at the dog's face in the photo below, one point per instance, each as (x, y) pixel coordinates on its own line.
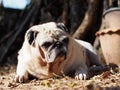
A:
(51, 41)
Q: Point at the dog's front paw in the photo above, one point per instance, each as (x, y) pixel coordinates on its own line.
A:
(21, 78)
(21, 74)
(79, 75)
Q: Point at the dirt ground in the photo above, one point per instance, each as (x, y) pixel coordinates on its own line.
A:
(108, 80)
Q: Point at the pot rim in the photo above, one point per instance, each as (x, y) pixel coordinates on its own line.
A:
(111, 10)
(108, 30)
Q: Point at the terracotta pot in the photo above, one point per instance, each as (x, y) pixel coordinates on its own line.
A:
(110, 36)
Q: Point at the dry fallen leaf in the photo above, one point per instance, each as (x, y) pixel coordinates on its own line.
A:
(105, 74)
(45, 83)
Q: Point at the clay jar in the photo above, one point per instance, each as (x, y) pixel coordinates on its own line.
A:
(110, 36)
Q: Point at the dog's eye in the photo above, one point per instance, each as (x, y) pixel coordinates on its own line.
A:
(46, 44)
(66, 40)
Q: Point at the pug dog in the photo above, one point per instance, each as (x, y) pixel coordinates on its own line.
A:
(49, 51)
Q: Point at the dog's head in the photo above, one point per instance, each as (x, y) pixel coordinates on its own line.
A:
(50, 39)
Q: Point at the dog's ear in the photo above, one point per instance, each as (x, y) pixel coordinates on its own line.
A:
(62, 27)
(31, 36)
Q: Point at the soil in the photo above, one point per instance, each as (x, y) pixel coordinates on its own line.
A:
(108, 80)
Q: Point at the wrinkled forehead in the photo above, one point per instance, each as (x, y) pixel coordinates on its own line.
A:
(50, 36)
(45, 27)
(48, 31)
(54, 33)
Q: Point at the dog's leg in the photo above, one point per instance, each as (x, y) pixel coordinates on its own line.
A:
(21, 74)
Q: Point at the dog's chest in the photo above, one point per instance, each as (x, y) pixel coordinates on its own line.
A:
(43, 70)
